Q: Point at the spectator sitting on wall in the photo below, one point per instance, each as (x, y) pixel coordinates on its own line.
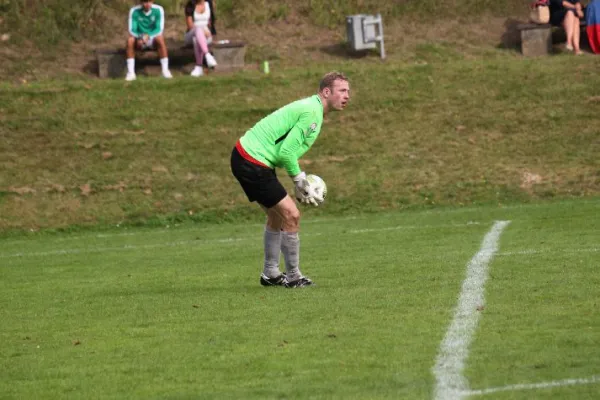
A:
(146, 25)
(198, 16)
(568, 14)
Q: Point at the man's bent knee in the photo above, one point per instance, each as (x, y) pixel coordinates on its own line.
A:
(287, 210)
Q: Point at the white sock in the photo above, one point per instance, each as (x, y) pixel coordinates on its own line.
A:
(131, 65)
(164, 62)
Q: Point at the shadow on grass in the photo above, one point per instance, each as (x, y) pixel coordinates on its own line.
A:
(511, 38)
(342, 50)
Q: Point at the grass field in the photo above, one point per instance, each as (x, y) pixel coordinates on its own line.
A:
(177, 312)
(440, 129)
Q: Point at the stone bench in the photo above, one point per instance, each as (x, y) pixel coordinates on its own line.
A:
(229, 55)
(536, 39)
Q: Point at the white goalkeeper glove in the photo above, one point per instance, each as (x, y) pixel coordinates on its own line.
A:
(304, 191)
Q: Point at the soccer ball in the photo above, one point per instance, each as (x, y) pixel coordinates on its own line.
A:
(318, 184)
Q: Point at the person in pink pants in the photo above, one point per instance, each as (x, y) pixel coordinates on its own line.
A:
(197, 19)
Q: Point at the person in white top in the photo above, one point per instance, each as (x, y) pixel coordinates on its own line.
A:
(198, 19)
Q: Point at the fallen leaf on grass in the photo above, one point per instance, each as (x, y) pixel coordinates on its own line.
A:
(106, 155)
(528, 179)
(55, 187)
(87, 145)
(21, 190)
(86, 189)
(121, 186)
(159, 168)
(76, 342)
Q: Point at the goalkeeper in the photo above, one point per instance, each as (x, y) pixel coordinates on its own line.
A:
(279, 140)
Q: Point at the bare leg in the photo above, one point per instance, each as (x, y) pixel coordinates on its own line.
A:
(161, 46)
(568, 24)
(576, 35)
(130, 47)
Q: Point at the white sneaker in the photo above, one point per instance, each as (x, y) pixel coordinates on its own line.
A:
(130, 76)
(198, 71)
(210, 61)
(167, 74)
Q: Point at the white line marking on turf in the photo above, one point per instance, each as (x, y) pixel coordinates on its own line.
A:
(118, 248)
(399, 227)
(175, 228)
(533, 251)
(199, 242)
(529, 386)
(454, 349)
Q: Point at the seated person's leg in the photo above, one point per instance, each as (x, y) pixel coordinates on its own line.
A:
(576, 35)
(130, 53)
(568, 24)
(160, 45)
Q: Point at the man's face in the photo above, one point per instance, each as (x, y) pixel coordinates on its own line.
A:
(147, 4)
(339, 95)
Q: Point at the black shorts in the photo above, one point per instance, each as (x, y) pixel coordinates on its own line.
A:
(259, 183)
(557, 17)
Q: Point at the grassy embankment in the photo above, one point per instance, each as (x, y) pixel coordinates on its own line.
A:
(443, 129)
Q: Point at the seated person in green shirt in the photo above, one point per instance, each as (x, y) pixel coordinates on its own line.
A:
(146, 25)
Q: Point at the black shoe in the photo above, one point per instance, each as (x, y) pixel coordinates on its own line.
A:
(277, 281)
(304, 281)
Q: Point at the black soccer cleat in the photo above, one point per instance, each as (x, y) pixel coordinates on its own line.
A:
(302, 282)
(277, 281)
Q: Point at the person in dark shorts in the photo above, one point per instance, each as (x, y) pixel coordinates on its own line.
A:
(279, 140)
(568, 14)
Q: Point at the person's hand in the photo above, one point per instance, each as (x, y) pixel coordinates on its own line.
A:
(304, 192)
(145, 38)
(579, 12)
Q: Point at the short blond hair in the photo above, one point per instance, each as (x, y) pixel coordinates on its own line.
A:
(329, 78)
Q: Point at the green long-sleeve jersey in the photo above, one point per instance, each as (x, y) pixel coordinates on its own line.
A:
(151, 23)
(282, 137)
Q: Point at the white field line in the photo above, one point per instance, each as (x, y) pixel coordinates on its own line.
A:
(167, 229)
(533, 251)
(64, 252)
(530, 386)
(176, 229)
(454, 349)
(60, 252)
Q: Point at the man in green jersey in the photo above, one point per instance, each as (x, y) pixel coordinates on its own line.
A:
(279, 140)
(146, 25)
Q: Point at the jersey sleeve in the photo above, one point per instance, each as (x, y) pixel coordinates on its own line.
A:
(133, 24)
(160, 24)
(296, 143)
